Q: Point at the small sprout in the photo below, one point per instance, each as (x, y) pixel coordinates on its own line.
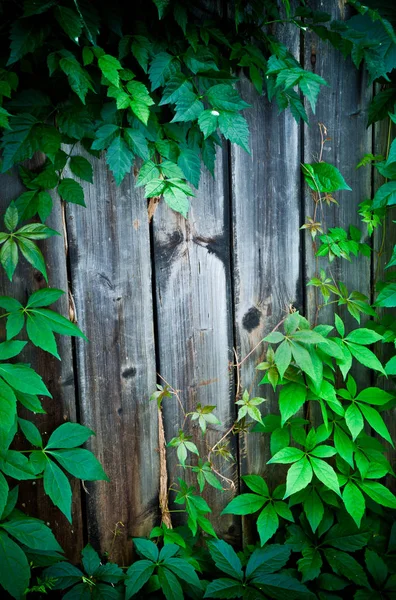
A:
(205, 415)
(249, 407)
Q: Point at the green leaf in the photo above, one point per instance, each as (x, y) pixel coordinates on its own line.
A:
(354, 420)
(385, 195)
(281, 586)
(267, 560)
(162, 67)
(65, 575)
(78, 77)
(69, 21)
(137, 575)
(71, 191)
(375, 420)
(323, 451)
(11, 217)
(182, 569)
(104, 136)
(170, 586)
(378, 493)
(326, 474)
(322, 177)
(137, 142)
(310, 564)
(235, 129)
(26, 36)
(90, 559)
(31, 433)
(146, 548)
(267, 523)
(225, 97)
(80, 463)
(225, 558)
(339, 324)
(57, 487)
(119, 158)
(190, 164)
(363, 336)
(58, 323)
(244, 504)
(82, 168)
(175, 88)
(177, 200)
(10, 349)
(208, 122)
(4, 491)
(365, 357)
(32, 533)
(286, 456)
(9, 257)
(44, 297)
(376, 567)
(33, 255)
(354, 502)
(291, 399)
(345, 536)
(21, 142)
(69, 435)
(256, 484)
(283, 357)
(374, 395)
(200, 59)
(188, 108)
(16, 465)
(40, 334)
(343, 445)
(110, 66)
(387, 296)
(344, 564)
(13, 560)
(224, 588)
(298, 477)
(23, 379)
(313, 508)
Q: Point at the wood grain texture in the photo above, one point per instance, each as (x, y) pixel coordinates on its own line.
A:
(57, 375)
(342, 108)
(266, 249)
(194, 316)
(111, 281)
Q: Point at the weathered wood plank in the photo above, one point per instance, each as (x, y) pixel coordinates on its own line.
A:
(58, 376)
(342, 108)
(266, 248)
(111, 281)
(194, 314)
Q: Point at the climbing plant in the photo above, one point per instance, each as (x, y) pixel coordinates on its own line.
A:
(155, 83)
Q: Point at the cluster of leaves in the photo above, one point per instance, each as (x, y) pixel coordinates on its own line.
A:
(155, 83)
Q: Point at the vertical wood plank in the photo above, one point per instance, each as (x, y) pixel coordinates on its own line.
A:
(266, 248)
(58, 375)
(342, 108)
(111, 281)
(194, 313)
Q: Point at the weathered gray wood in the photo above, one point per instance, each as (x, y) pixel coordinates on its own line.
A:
(194, 314)
(342, 108)
(58, 376)
(266, 248)
(111, 282)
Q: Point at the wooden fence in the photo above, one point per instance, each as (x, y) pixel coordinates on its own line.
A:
(176, 296)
